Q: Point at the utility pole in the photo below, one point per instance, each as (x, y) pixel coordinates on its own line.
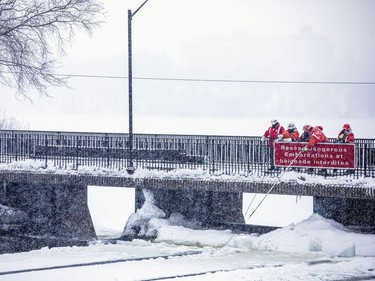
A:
(130, 169)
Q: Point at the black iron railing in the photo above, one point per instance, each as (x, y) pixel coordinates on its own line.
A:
(217, 154)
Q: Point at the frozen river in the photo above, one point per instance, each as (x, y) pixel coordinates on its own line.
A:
(141, 260)
(311, 249)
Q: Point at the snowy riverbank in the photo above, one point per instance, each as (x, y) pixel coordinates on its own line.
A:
(314, 249)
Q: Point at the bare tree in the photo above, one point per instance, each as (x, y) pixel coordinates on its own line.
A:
(34, 35)
(10, 122)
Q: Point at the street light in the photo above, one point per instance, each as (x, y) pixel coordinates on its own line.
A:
(130, 167)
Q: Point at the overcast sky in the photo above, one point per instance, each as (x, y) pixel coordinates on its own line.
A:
(296, 40)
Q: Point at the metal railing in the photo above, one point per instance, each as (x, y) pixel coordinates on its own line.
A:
(217, 154)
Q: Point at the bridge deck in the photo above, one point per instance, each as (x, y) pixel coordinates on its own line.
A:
(229, 184)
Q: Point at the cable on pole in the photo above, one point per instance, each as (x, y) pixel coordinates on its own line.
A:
(214, 80)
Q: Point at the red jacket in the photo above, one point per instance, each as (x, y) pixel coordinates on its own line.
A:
(345, 138)
(272, 133)
(316, 136)
(293, 136)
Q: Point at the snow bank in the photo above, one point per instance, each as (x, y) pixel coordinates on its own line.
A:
(315, 234)
(140, 224)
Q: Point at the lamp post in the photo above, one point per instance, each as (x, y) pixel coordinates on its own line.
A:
(130, 167)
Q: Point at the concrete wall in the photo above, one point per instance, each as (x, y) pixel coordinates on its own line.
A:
(53, 210)
(356, 214)
(208, 207)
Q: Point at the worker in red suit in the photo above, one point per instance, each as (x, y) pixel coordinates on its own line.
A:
(272, 134)
(316, 136)
(291, 134)
(346, 135)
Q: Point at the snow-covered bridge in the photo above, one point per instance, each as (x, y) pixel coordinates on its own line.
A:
(218, 155)
(202, 177)
(217, 163)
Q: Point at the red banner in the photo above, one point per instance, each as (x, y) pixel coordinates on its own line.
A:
(323, 155)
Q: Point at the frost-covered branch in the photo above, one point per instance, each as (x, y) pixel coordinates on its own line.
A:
(34, 34)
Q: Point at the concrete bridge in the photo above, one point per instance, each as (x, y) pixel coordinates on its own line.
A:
(46, 174)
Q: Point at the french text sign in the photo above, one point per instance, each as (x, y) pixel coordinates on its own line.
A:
(323, 155)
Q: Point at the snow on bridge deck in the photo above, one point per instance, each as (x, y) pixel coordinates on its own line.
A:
(290, 183)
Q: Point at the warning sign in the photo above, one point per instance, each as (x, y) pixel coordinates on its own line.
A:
(323, 155)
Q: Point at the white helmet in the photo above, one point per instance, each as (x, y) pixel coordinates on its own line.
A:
(291, 126)
(274, 122)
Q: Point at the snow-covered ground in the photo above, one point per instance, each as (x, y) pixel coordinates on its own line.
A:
(313, 249)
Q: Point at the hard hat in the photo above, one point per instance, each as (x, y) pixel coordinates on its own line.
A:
(274, 122)
(346, 127)
(307, 128)
(291, 126)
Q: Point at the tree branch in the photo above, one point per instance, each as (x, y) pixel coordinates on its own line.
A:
(30, 29)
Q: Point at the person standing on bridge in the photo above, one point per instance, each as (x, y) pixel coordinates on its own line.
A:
(291, 134)
(346, 135)
(272, 134)
(305, 136)
(316, 136)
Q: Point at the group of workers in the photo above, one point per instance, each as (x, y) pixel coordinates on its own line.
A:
(311, 134)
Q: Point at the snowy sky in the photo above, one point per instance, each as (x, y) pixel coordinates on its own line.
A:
(292, 40)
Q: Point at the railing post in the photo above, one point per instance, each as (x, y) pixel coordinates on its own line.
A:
(248, 156)
(213, 156)
(209, 154)
(366, 155)
(16, 146)
(45, 151)
(77, 153)
(108, 149)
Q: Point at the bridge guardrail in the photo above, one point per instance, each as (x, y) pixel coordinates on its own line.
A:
(216, 154)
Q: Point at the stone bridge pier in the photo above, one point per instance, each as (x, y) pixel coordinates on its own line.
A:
(356, 214)
(211, 208)
(55, 213)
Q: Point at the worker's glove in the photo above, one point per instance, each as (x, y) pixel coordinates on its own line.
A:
(280, 137)
(305, 148)
(263, 138)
